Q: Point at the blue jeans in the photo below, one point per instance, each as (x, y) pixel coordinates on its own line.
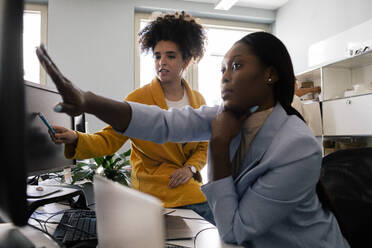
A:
(202, 209)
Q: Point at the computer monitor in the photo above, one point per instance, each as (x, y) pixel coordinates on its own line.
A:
(13, 133)
(45, 156)
(22, 141)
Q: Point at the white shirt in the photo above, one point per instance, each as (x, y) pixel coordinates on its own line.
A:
(179, 104)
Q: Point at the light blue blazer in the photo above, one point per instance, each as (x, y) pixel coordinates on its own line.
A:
(272, 202)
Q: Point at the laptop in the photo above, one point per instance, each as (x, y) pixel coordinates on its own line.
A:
(127, 217)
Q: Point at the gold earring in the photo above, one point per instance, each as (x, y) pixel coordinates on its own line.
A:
(269, 82)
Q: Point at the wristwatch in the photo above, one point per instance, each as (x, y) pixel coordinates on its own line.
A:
(195, 173)
(193, 169)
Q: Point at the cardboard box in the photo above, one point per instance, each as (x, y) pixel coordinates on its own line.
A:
(307, 84)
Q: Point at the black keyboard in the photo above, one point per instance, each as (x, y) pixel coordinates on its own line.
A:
(77, 226)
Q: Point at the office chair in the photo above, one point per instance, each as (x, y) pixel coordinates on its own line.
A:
(347, 176)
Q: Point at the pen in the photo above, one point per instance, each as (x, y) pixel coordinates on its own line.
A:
(46, 123)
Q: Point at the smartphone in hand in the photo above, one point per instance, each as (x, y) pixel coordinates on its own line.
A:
(46, 123)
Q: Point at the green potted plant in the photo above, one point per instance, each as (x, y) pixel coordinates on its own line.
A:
(115, 167)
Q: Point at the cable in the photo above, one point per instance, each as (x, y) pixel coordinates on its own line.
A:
(49, 235)
(64, 224)
(38, 221)
(41, 213)
(191, 218)
(172, 211)
(175, 246)
(55, 214)
(33, 181)
(196, 236)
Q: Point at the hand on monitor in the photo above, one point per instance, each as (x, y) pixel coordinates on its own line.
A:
(73, 97)
(63, 135)
(75, 101)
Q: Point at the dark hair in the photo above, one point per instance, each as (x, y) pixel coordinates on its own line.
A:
(272, 52)
(179, 28)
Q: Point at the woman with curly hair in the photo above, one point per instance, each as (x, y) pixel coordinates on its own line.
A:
(169, 171)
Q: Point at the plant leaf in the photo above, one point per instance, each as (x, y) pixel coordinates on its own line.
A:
(99, 160)
(127, 153)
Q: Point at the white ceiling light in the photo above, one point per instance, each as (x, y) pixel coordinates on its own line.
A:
(225, 4)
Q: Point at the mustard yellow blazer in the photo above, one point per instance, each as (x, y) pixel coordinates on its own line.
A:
(152, 164)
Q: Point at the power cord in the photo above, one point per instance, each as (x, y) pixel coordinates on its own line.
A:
(49, 235)
(169, 245)
(38, 221)
(33, 181)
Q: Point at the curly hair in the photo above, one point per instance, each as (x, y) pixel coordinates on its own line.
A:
(181, 29)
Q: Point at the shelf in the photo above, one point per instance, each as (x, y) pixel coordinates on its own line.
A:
(347, 97)
(358, 61)
(310, 75)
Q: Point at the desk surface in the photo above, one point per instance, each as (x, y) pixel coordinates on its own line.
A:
(205, 234)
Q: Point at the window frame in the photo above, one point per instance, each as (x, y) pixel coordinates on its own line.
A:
(43, 9)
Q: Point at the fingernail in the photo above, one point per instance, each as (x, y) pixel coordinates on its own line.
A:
(58, 108)
(253, 109)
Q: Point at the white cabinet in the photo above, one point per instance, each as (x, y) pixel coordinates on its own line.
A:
(346, 95)
(348, 116)
(312, 116)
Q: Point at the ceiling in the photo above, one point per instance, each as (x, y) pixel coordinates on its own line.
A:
(260, 4)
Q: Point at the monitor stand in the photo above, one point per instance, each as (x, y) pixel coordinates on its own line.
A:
(53, 194)
(34, 191)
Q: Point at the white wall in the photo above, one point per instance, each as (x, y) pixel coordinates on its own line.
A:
(92, 41)
(301, 23)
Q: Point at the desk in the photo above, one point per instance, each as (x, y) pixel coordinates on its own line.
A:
(206, 234)
(39, 239)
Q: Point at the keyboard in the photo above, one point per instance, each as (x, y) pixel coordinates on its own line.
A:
(77, 226)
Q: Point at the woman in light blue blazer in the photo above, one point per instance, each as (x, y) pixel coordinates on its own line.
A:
(264, 162)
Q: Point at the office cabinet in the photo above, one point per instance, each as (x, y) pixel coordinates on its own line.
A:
(348, 116)
(345, 98)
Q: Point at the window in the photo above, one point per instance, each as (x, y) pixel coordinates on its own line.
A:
(34, 33)
(209, 68)
(147, 70)
(206, 75)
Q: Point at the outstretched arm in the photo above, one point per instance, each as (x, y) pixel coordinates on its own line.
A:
(138, 120)
(76, 101)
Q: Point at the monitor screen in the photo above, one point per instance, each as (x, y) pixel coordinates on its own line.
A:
(13, 133)
(45, 156)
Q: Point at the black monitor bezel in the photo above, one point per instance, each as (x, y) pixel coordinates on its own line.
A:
(72, 127)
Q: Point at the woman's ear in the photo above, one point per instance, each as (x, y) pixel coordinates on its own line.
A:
(271, 75)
